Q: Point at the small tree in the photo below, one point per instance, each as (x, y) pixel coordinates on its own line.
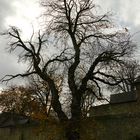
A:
(84, 52)
(128, 72)
(27, 101)
(16, 100)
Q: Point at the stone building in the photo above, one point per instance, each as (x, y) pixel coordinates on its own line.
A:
(120, 103)
(119, 120)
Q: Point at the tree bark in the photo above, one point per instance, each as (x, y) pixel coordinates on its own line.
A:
(72, 130)
(73, 126)
(56, 105)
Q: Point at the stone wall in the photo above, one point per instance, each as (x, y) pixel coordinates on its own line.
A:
(112, 127)
(115, 109)
(50, 132)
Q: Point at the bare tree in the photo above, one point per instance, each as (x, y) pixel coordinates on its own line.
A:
(33, 52)
(85, 50)
(128, 72)
(42, 93)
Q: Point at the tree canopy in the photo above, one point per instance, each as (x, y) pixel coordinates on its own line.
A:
(80, 47)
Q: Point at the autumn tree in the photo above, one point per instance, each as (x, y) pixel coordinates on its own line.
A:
(16, 99)
(85, 47)
(32, 100)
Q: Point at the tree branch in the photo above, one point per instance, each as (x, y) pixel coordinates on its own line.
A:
(106, 82)
(7, 78)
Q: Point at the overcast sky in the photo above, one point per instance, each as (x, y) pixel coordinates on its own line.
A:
(24, 13)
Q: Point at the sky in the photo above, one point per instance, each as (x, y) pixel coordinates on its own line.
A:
(24, 15)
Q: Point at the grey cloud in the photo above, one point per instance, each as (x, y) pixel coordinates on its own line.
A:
(6, 9)
(8, 64)
(127, 14)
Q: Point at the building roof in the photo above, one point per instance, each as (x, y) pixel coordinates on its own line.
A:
(8, 119)
(123, 97)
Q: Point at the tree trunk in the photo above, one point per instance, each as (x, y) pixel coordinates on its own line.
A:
(72, 130)
(56, 105)
(73, 126)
